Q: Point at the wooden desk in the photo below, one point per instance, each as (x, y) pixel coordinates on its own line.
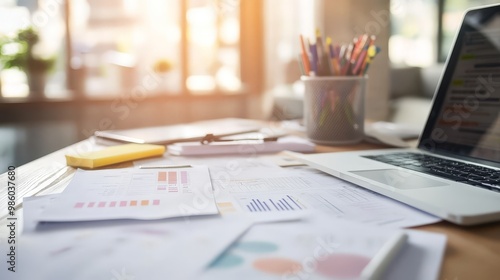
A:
(472, 252)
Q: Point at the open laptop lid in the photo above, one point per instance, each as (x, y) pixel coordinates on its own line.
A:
(464, 121)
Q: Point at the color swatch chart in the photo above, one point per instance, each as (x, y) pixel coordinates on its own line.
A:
(134, 193)
(121, 203)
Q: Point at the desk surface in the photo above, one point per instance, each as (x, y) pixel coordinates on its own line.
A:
(471, 253)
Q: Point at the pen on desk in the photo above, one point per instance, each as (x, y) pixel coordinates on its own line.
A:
(347, 57)
(359, 62)
(323, 61)
(209, 138)
(378, 264)
(361, 44)
(305, 58)
(333, 57)
(164, 166)
(314, 60)
(372, 52)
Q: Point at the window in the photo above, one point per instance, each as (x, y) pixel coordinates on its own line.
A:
(168, 47)
(47, 17)
(451, 18)
(285, 21)
(414, 32)
(120, 42)
(423, 30)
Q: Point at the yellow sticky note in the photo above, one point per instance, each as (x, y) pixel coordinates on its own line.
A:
(114, 154)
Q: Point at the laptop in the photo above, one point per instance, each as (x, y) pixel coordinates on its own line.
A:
(454, 173)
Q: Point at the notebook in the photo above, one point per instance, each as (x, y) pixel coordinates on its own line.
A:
(181, 132)
(455, 171)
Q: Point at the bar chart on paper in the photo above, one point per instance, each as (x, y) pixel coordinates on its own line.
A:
(346, 202)
(133, 193)
(173, 181)
(272, 203)
(149, 182)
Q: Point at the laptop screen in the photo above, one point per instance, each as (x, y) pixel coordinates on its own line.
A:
(465, 116)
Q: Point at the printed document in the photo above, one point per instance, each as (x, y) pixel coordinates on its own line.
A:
(320, 248)
(132, 193)
(270, 192)
(121, 249)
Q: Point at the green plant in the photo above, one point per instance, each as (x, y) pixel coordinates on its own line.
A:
(18, 52)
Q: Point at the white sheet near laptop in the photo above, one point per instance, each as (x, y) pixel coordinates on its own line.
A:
(463, 126)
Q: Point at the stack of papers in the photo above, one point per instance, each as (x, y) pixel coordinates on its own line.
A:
(216, 248)
(221, 218)
(121, 249)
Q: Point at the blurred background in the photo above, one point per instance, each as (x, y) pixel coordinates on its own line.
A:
(71, 67)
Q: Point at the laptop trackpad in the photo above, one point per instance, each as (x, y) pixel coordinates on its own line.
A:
(398, 178)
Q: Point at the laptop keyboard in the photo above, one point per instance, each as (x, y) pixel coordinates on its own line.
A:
(449, 169)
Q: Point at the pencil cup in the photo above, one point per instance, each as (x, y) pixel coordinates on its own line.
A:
(334, 109)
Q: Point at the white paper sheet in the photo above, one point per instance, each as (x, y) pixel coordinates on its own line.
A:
(177, 248)
(320, 248)
(219, 166)
(420, 259)
(33, 208)
(269, 192)
(134, 194)
(239, 180)
(290, 143)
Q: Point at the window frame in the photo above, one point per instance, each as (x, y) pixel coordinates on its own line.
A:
(251, 50)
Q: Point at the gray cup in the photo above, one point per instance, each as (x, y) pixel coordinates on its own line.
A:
(334, 109)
